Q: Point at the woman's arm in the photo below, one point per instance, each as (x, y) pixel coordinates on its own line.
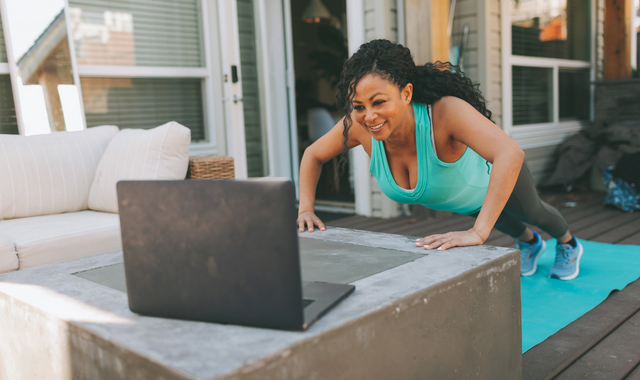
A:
(321, 151)
(463, 124)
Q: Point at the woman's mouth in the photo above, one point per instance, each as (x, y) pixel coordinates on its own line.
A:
(375, 128)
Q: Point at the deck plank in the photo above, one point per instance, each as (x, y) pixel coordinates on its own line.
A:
(633, 239)
(620, 233)
(613, 358)
(617, 220)
(635, 375)
(555, 354)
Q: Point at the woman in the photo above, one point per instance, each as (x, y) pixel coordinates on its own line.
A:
(432, 142)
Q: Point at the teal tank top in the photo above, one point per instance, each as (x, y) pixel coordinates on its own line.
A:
(457, 186)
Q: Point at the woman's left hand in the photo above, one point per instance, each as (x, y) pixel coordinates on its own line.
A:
(451, 239)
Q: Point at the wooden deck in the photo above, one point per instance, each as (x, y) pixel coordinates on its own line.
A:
(602, 344)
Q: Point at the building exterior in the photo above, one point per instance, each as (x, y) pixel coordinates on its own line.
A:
(230, 70)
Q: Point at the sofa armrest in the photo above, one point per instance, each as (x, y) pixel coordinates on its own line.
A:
(210, 167)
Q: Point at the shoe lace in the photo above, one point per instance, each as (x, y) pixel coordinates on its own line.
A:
(564, 258)
(525, 250)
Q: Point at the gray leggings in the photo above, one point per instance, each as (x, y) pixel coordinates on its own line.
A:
(525, 206)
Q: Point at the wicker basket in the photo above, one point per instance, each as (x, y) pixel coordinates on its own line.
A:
(210, 167)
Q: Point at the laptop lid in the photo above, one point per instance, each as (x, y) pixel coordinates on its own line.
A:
(222, 251)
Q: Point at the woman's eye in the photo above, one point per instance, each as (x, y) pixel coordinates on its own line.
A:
(378, 102)
(358, 108)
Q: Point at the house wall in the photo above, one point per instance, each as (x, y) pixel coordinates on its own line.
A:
(482, 54)
(381, 21)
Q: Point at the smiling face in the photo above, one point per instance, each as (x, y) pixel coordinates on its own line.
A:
(381, 107)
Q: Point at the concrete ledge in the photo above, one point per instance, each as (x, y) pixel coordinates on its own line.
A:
(452, 314)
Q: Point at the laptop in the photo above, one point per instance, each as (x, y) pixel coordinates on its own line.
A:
(222, 251)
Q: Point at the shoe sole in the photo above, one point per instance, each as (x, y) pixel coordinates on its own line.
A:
(535, 261)
(573, 275)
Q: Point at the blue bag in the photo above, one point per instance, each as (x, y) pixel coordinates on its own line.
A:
(621, 194)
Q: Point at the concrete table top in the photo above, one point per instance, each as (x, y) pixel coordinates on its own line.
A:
(71, 326)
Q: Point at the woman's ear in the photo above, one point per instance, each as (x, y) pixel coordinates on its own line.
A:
(407, 93)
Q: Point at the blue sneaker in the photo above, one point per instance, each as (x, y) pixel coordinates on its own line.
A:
(567, 265)
(529, 254)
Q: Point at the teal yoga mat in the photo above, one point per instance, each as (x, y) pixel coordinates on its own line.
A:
(549, 304)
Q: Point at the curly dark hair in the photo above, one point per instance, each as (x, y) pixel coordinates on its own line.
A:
(394, 63)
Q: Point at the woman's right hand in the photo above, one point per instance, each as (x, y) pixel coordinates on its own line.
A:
(308, 220)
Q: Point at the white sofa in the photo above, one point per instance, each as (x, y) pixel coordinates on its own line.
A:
(57, 191)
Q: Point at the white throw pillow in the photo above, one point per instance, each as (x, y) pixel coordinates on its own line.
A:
(158, 153)
(49, 174)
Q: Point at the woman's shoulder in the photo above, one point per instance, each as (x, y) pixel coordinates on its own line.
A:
(449, 106)
(449, 101)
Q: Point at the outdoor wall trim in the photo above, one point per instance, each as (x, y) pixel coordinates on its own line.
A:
(141, 71)
(483, 47)
(74, 64)
(212, 89)
(12, 67)
(291, 92)
(356, 32)
(507, 93)
(400, 17)
(519, 60)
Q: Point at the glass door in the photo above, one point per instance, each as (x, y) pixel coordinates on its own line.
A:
(319, 32)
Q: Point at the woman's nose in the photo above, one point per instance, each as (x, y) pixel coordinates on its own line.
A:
(370, 117)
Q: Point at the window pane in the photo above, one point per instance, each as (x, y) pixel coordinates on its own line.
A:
(256, 163)
(137, 33)
(3, 47)
(574, 94)
(8, 122)
(532, 95)
(553, 29)
(144, 103)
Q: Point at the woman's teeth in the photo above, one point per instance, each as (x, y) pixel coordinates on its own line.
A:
(376, 127)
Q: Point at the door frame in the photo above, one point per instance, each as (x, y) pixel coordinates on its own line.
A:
(232, 92)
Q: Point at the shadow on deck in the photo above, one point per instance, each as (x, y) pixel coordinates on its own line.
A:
(602, 344)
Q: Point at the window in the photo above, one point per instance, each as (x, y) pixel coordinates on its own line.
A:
(8, 122)
(550, 29)
(143, 102)
(532, 87)
(550, 58)
(141, 63)
(573, 94)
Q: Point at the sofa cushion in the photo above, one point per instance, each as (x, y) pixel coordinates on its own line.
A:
(46, 239)
(8, 256)
(49, 174)
(158, 153)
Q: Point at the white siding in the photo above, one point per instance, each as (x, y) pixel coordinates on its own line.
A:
(380, 20)
(482, 55)
(541, 162)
